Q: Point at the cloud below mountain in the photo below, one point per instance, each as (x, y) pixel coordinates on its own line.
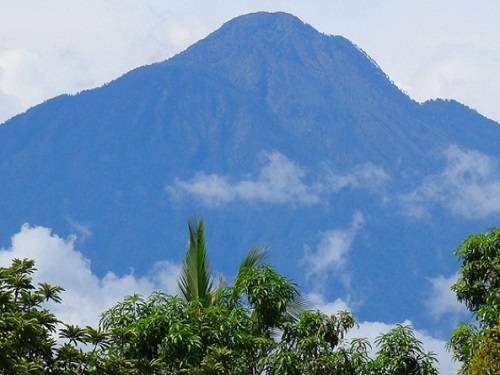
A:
(331, 252)
(366, 176)
(468, 186)
(279, 180)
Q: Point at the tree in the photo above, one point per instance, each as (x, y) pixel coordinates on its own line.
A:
(26, 328)
(478, 286)
(401, 353)
(314, 344)
(196, 281)
(255, 326)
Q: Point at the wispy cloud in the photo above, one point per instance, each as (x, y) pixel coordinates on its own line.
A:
(442, 301)
(86, 294)
(458, 71)
(280, 180)
(319, 302)
(364, 176)
(468, 186)
(83, 231)
(331, 253)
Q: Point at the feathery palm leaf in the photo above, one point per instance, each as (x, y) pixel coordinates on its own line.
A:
(72, 333)
(50, 292)
(195, 281)
(254, 258)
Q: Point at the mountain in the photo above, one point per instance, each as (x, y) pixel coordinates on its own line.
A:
(276, 134)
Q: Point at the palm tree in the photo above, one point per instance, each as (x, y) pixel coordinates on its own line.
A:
(73, 334)
(195, 281)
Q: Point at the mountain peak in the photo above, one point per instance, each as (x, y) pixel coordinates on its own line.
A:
(270, 53)
(265, 20)
(255, 33)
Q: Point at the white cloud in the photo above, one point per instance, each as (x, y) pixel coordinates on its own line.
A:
(366, 176)
(83, 231)
(65, 49)
(9, 106)
(318, 302)
(468, 186)
(331, 252)
(86, 295)
(457, 71)
(442, 300)
(279, 181)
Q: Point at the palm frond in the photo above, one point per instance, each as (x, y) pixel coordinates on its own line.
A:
(298, 306)
(255, 257)
(195, 281)
(218, 292)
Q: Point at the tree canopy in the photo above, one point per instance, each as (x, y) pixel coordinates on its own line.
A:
(258, 325)
(477, 346)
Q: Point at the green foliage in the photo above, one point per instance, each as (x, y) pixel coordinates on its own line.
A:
(463, 341)
(313, 344)
(269, 294)
(195, 281)
(401, 353)
(26, 328)
(486, 358)
(170, 334)
(257, 326)
(478, 286)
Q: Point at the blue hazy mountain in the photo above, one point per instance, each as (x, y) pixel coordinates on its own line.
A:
(262, 83)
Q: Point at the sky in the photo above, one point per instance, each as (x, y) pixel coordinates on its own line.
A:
(447, 48)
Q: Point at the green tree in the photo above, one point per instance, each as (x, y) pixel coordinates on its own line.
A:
(401, 353)
(314, 344)
(196, 281)
(26, 328)
(478, 286)
(256, 326)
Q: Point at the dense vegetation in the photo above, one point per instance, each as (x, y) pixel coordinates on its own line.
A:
(257, 325)
(478, 286)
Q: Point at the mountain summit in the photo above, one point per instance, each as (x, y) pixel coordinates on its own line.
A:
(278, 135)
